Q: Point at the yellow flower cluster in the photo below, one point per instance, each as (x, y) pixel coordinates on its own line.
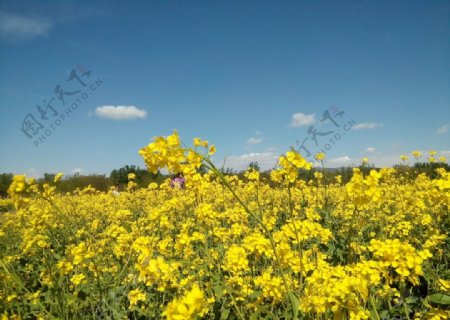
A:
(168, 152)
(403, 257)
(186, 307)
(249, 247)
(135, 296)
(236, 260)
(20, 188)
(289, 166)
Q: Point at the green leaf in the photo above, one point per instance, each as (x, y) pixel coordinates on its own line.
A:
(254, 295)
(225, 314)
(411, 300)
(440, 298)
(218, 290)
(295, 303)
(384, 314)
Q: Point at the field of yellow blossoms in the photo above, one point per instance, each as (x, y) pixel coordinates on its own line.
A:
(376, 247)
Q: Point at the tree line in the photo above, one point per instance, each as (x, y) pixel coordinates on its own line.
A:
(119, 177)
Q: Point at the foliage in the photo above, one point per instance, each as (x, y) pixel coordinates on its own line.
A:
(143, 177)
(5, 181)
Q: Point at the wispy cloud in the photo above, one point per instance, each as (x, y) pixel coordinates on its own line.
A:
(301, 119)
(33, 173)
(370, 149)
(445, 153)
(366, 125)
(443, 129)
(17, 28)
(120, 112)
(256, 139)
(339, 161)
(77, 171)
(266, 160)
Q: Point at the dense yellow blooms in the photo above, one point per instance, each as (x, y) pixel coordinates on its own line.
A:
(236, 260)
(406, 260)
(187, 307)
(272, 286)
(243, 246)
(135, 296)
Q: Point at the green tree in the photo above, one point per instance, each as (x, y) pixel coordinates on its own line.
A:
(5, 182)
(120, 176)
(254, 165)
(49, 177)
(143, 177)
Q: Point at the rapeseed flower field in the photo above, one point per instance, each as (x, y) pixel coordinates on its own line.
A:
(223, 247)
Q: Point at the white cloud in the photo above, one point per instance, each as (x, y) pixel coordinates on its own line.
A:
(33, 173)
(445, 153)
(443, 129)
(20, 28)
(254, 140)
(339, 161)
(370, 149)
(120, 112)
(266, 160)
(301, 119)
(366, 125)
(77, 170)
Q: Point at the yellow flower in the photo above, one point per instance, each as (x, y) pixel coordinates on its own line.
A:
(58, 177)
(404, 157)
(153, 186)
(135, 296)
(318, 175)
(236, 260)
(252, 174)
(212, 150)
(65, 267)
(365, 160)
(200, 143)
(444, 285)
(17, 186)
(78, 279)
(131, 176)
(320, 156)
(33, 297)
(187, 307)
(416, 154)
(197, 142)
(272, 286)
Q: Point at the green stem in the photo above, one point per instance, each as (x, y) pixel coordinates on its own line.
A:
(372, 301)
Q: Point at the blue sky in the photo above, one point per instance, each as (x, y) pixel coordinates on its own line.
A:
(252, 77)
